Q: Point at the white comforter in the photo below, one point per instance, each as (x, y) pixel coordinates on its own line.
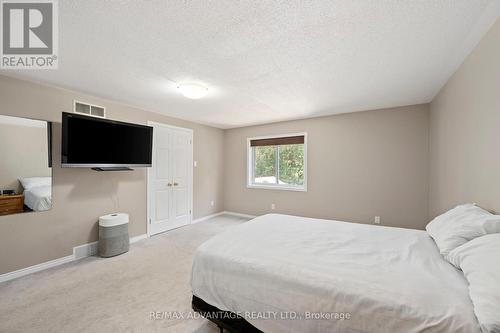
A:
(38, 198)
(385, 279)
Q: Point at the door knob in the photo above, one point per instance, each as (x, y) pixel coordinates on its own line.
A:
(175, 184)
(169, 184)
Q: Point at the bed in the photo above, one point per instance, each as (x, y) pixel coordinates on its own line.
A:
(37, 193)
(335, 276)
(38, 198)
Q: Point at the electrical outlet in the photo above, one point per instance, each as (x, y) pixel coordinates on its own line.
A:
(273, 206)
(212, 203)
(376, 220)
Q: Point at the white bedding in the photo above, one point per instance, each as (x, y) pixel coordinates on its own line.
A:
(38, 198)
(387, 279)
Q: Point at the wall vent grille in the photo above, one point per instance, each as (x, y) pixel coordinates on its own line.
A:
(89, 109)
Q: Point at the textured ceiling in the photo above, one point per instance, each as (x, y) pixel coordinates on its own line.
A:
(264, 61)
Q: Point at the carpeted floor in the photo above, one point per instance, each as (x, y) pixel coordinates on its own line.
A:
(116, 294)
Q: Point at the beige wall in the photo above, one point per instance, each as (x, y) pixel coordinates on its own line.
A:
(24, 153)
(465, 132)
(359, 165)
(80, 196)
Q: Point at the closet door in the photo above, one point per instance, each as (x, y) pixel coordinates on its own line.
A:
(181, 171)
(160, 181)
(170, 179)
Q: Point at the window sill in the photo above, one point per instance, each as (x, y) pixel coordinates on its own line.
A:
(277, 187)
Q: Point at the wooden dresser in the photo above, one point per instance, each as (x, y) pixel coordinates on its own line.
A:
(11, 204)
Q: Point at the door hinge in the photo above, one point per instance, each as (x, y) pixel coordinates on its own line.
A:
(149, 221)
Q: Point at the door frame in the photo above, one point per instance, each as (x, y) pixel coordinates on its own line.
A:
(190, 172)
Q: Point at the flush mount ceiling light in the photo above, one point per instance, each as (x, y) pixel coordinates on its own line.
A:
(193, 90)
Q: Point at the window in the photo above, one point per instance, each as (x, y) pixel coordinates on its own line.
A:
(278, 162)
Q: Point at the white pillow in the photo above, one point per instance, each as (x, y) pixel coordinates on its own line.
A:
(29, 183)
(460, 225)
(479, 259)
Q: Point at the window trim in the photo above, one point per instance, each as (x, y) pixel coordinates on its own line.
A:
(250, 166)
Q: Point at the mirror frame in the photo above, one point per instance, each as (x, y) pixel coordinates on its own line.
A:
(49, 162)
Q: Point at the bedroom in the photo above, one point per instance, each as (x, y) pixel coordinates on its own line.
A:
(281, 120)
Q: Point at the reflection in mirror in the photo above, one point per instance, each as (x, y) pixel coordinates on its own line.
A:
(25, 165)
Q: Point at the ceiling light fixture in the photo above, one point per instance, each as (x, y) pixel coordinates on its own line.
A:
(193, 90)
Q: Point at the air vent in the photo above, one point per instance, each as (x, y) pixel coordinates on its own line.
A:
(89, 109)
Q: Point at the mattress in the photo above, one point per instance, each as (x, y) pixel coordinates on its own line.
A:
(293, 274)
(38, 198)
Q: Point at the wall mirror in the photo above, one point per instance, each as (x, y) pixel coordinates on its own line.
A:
(25, 165)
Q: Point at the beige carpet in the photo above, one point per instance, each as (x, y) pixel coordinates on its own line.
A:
(115, 294)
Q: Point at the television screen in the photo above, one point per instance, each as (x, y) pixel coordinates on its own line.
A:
(94, 142)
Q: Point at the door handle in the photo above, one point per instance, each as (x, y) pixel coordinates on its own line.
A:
(175, 184)
(169, 184)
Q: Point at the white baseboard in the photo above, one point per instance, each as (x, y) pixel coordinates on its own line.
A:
(35, 268)
(240, 215)
(204, 218)
(225, 212)
(79, 252)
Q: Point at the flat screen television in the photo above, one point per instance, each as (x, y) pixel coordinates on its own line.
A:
(91, 142)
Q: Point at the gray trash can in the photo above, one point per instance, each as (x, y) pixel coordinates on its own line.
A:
(113, 234)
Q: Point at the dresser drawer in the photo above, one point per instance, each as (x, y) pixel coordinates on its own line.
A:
(10, 205)
(7, 211)
(6, 202)
(9, 202)
(7, 205)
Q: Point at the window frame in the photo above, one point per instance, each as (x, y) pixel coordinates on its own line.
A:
(250, 165)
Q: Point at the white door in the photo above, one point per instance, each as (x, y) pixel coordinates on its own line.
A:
(170, 178)
(181, 182)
